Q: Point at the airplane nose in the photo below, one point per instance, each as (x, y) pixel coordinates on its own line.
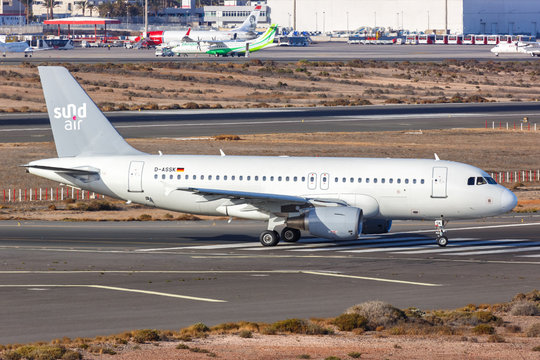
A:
(508, 200)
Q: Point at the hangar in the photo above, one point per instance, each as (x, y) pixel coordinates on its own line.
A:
(457, 16)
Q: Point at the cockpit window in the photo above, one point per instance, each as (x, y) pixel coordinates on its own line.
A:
(491, 181)
(480, 181)
(470, 181)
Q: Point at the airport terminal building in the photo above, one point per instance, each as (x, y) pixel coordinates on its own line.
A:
(462, 16)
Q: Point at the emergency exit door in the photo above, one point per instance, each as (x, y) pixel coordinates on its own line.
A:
(135, 176)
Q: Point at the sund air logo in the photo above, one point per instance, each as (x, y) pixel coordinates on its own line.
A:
(73, 116)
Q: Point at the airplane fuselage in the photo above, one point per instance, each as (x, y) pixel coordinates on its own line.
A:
(382, 188)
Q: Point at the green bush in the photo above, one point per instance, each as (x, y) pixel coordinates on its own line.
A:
(351, 321)
(355, 355)
(296, 326)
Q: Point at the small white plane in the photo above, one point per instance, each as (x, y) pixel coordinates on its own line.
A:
(332, 198)
(171, 38)
(16, 47)
(519, 47)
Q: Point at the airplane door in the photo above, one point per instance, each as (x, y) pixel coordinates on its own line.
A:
(312, 181)
(438, 182)
(325, 179)
(135, 176)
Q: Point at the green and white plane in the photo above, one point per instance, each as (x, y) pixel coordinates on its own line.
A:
(239, 48)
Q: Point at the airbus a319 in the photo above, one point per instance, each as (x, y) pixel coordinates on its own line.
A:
(331, 198)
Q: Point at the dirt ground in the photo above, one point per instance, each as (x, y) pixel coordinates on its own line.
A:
(172, 85)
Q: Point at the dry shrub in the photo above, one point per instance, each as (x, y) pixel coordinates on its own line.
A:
(524, 308)
(194, 331)
(41, 352)
(378, 313)
(145, 217)
(495, 338)
(143, 335)
(512, 328)
(483, 329)
(350, 321)
(227, 137)
(534, 330)
(296, 326)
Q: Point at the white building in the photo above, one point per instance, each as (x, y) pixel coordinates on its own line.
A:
(12, 12)
(462, 17)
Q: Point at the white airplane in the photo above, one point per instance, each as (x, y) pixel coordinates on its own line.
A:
(245, 31)
(16, 47)
(332, 198)
(519, 47)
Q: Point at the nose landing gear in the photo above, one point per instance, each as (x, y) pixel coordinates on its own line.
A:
(442, 239)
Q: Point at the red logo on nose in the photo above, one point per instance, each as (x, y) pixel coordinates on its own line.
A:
(74, 118)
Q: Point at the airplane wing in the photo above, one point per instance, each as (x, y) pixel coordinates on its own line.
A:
(285, 199)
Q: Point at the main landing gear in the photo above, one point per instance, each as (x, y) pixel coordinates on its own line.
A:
(442, 239)
(271, 237)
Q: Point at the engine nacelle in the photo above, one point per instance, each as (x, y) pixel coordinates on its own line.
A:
(337, 223)
(376, 226)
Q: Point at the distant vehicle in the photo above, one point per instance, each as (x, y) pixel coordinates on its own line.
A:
(164, 51)
(191, 47)
(16, 47)
(519, 47)
(293, 41)
(246, 31)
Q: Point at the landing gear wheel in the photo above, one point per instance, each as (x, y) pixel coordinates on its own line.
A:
(442, 241)
(269, 238)
(290, 234)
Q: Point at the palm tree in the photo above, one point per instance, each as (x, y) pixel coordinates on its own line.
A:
(91, 6)
(81, 5)
(50, 4)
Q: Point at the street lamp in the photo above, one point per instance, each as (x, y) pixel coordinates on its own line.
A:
(324, 22)
(347, 22)
(316, 24)
(289, 20)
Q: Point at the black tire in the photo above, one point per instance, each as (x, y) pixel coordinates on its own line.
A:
(269, 238)
(290, 235)
(442, 241)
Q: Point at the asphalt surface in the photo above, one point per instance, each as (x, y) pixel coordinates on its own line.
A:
(326, 51)
(86, 279)
(190, 123)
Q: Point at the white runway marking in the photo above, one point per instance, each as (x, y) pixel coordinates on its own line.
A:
(369, 278)
(203, 247)
(461, 247)
(147, 292)
(501, 251)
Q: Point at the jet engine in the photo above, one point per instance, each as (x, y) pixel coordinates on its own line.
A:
(376, 226)
(337, 223)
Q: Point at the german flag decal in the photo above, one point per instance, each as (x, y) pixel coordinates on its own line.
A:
(179, 169)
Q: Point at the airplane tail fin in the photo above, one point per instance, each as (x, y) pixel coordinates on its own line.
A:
(265, 39)
(78, 125)
(250, 24)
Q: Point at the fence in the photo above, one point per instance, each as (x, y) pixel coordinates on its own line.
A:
(521, 125)
(516, 176)
(48, 194)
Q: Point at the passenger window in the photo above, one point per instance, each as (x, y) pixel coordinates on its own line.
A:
(422, 181)
(217, 177)
(383, 180)
(295, 178)
(264, 178)
(303, 178)
(194, 177)
(178, 177)
(414, 181)
(367, 180)
(233, 177)
(225, 177)
(287, 178)
(241, 177)
(248, 178)
(359, 180)
(336, 179)
(256, 178)
(279, 178)
(406, 181)
(271, 178)
(351, 180)
(391, 181)
(399, 181)
(202, 177)
(480, 181)
(155, 176)
(163, 176)
(186, 177)
(344, 180)
(171, 177)
(209, 177)
(375, 180)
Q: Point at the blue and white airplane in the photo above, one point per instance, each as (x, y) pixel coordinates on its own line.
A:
(16, 47)
(332, 198)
